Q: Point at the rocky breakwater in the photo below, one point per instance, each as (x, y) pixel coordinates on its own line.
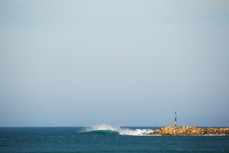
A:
(190, 131)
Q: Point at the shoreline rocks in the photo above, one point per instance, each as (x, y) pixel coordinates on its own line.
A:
(189, 131)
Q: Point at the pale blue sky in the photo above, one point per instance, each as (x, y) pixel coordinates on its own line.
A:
(120, 62)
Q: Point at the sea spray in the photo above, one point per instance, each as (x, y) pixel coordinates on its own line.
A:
(121, 131)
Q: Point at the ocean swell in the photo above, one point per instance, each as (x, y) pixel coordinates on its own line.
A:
(104, 128)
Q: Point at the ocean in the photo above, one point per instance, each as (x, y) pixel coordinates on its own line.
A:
(104, 139)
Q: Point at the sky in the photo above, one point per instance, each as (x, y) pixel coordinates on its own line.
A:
(120, 62)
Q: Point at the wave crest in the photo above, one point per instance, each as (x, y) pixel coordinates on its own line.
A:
(121, 131)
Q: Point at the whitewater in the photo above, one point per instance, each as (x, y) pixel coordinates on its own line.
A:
(121, 131)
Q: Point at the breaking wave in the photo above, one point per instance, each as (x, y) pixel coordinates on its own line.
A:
(103, 132)
(108, 129)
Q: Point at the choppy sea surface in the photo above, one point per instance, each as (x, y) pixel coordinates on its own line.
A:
(104, 139)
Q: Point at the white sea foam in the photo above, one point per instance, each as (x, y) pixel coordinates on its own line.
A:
(214, 135)
(121, 131)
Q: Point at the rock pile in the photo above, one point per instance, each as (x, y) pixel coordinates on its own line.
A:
(190, 131)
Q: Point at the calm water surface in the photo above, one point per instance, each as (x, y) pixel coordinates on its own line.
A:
(76, 140)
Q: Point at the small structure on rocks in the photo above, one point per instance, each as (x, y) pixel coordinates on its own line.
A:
(175, 120)
(188, 130)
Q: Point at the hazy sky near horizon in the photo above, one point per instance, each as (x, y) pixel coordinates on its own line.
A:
(120, 62)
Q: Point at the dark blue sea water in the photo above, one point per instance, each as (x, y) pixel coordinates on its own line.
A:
(81, 140)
